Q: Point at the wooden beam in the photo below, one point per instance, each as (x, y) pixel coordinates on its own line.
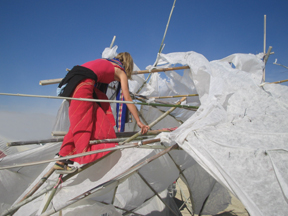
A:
(58, 80)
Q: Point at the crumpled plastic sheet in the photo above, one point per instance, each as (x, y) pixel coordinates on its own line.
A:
(239, 133)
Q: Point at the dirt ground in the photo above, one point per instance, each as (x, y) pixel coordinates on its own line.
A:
(235, 208)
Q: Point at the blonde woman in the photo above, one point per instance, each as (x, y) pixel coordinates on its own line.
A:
(90, 120)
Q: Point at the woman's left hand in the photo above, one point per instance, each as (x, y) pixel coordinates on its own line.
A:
(144, 128)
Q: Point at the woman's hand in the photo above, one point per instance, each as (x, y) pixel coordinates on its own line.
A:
(144, 128)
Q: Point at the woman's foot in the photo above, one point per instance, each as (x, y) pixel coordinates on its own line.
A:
(62, 168)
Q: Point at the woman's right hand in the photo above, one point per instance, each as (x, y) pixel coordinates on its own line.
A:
(144, 128)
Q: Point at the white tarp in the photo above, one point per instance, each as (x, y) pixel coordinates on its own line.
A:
(239, 134)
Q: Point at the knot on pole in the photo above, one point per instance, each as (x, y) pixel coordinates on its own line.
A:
(140, 143)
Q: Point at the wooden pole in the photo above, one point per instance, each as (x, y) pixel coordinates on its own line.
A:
(267, 55)
(91, 142)
(52, 193)
(128, 145)
(264, 48)
(161, 70)
(63, 133)
(100, 100)
(181, 122)
(281, 81)
(160, 50)
(264, 41)
(14, 208)
(280, 64)
(154, 122)
(174, 96)
(58, 80)
(112, 42)
(144, 99)
(39, 184)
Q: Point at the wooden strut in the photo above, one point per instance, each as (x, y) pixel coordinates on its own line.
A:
(144, 99)
(277, 82)
(181, 122)
(155, 121)
(52, 193)
(91, 142)
(100, 100)
(115, 181)
(128, 145)
(58, 80)
(118, 134)
(38, 184)
(173, 96)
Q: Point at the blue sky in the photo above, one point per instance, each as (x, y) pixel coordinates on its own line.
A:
(40, 39)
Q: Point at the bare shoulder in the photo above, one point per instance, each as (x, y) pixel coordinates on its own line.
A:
(119, 74)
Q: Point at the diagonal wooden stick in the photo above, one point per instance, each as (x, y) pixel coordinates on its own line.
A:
(38, 184)
(154, 122)
(58, 80)
(128, 145)
(119, 135)
(100, 100)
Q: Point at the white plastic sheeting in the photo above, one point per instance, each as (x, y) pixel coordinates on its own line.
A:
(239, 133)
(238, 137)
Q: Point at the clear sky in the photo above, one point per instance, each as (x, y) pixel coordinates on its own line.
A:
(40, 39)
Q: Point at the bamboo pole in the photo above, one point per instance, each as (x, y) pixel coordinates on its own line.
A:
(277, 82)
(167, 25)
(19, 143)
(160, 70)
(279, 64)
(115, 181)
(63, 133)
(58, 80)
(128, 145)
(160, 49)
(267, 55)
(14, 208)
(52, 193)
(143, 99)
(91, 142)
(39, 184)
(99, 100)
(112, 42)
(181, 122)
(264, 41)
(154, 122)
(173, 96)
(122, 134)
(264, 47)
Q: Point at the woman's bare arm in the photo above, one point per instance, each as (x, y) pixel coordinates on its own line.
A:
(121, 76)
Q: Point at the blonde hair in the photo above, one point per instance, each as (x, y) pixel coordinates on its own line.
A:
(126, 59)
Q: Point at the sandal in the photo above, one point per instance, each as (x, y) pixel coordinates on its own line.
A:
(63, 169)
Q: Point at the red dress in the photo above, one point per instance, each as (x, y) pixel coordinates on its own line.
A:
(88, 120)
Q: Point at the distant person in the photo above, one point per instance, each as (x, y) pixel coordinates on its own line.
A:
(91, 120)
